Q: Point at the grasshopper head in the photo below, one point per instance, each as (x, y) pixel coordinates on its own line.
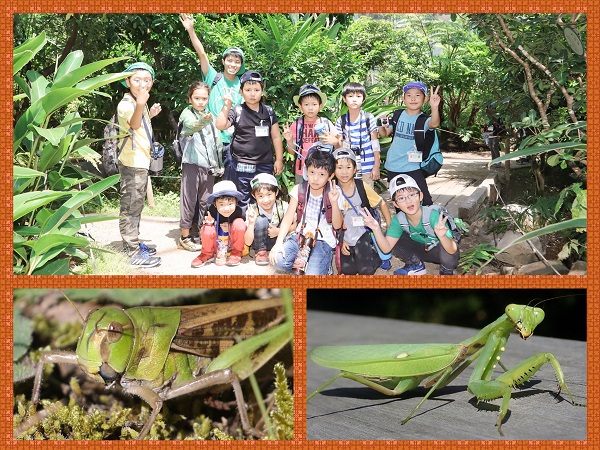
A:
(105, 345)
(525, 318)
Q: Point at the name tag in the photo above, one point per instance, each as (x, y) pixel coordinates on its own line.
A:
(358, 222)
(261, 131)
(415, 156)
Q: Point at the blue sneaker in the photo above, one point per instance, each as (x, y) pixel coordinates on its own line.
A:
(411, 270)
(141, 260)
(386, 264)
(150, 250)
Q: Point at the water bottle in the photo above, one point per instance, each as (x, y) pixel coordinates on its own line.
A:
(222, 243)
(306, 245)
(320, 129)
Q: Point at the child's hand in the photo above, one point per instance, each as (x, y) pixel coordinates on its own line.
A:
(345, 249)
(156, 108)
(187, 21)
(208, 219)
(273, 231)
(375, 175)
(369, 220)
(333, 194)
(228, 98)
(277, 248)
(143, 95)
(434, 97)
(287, 132)
(251, 216)
(440, 228)
(328, 138)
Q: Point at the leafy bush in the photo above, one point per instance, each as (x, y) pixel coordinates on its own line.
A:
(49, 184)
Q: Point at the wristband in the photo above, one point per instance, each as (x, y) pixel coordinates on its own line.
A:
(375, 145)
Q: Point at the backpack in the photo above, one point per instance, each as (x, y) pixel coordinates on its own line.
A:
(457, 226)
(302, 188)
(218, 77)
(426, 142)
(179, 143)
(110, 147)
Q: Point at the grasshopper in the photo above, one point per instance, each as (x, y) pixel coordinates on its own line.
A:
(160, 353)
(393, 369)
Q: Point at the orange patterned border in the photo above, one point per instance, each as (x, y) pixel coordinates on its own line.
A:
(299, 284)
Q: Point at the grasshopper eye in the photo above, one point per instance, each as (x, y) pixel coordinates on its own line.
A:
(114, 332)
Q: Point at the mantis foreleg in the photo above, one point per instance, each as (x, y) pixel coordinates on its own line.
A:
(485, 389)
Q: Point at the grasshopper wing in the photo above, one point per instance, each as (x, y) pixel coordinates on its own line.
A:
(389, 360)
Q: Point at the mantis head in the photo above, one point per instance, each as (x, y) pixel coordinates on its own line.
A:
(104, 348)
(525, 318)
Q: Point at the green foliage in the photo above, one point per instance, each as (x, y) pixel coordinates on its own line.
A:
(476, 257)
(49, 184)
(282, 416)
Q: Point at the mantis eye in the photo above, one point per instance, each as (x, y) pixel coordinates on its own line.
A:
(114, 332)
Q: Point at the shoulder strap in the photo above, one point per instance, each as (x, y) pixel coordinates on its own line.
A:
(327, 205)
(426, 218)
(301, 200)
(395, 119)
(403, 221)
(360, 187)
(423, 140)
(217, 78)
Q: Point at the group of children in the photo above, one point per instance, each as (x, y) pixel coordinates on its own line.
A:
(331, 214)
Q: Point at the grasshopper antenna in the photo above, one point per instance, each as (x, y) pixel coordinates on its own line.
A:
(72, 304)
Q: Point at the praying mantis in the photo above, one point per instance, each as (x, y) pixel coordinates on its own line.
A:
(162, 353)
(394, 369)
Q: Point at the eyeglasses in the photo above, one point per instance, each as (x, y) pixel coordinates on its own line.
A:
(404, 198)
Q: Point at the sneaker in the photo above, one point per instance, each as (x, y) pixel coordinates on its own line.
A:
(411, 270)
(386, 264)
(142, 259)
(202, 259)
(233, 260)
(150, 250)
(188, 243)
(261, 258)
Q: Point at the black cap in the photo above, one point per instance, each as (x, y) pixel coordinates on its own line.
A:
(251, 75)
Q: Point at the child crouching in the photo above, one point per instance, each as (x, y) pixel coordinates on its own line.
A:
(425, 240)
(264, 217)
(314, 204)
(223, 229)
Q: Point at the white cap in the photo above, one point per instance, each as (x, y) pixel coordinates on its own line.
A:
(266, 178)
(400, 182)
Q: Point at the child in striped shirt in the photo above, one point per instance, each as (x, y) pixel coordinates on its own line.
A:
(358, 130)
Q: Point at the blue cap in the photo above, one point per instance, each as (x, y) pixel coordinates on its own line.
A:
(415, 85)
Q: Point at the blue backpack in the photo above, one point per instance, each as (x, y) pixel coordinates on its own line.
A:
(426, 142)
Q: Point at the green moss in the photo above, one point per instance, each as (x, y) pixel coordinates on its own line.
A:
(282, 416)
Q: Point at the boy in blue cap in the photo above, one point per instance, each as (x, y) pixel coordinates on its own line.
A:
(134, 161)
(402, 156)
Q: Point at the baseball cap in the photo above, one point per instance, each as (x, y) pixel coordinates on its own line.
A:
(138, 66)
(252, 75)
(401, 182)
(236, 51)
(310, 89)
(265, 178)
(342, 153)
(415, 85)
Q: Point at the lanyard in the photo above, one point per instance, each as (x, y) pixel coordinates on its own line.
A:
(317, 231)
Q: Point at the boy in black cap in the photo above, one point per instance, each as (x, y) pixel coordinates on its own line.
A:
(256, 135)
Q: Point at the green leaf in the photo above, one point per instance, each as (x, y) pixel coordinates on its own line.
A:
(22, 331)
(26, 51)
(53, 135)
(77, 200)
(57, 267)
(49, 246)
(541, 149)
(69, 64)
(76, 76)
(30, 201)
